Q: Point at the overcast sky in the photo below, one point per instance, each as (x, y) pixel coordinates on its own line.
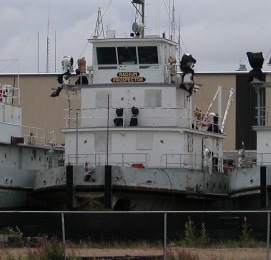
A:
(218, 33)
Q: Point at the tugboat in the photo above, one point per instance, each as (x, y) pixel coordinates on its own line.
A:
(250, 182)
(137, 142)
(22, 150)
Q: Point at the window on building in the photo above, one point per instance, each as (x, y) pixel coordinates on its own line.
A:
(127, 55)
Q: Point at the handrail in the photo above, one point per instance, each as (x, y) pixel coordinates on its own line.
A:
(175, 117)
(190, 161)
(118, 159)
(249, 159)
(265, 116)
(34, 135)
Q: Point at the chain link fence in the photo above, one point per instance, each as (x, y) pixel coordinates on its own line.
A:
(186, 235)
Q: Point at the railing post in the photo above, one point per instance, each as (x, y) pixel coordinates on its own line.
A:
(268, 236)
(195, 164)
(63, 233)
(165, 235)
(76, 139)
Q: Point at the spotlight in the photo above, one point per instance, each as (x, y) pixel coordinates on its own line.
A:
(256, 62)
(118, 121)
(135, 112)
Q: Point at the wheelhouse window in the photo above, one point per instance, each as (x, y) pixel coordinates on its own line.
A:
(143, 55)
(106, 55)
(148, 55)
(127, 55)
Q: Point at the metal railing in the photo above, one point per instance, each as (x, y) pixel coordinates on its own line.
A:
(98, 117)
(249, 159)
(263, 116)
(190, 161)
(120, 159)
(165, 117)
(34, 135)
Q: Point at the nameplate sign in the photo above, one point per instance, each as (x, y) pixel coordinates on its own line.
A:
(128, 77)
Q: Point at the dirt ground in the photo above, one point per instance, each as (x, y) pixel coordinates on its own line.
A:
(225, 253)
(202, 254)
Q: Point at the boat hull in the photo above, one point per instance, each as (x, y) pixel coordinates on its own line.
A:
(129, 188)
(250, 187)
(15, 187)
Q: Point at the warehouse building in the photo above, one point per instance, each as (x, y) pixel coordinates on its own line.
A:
(42, 111)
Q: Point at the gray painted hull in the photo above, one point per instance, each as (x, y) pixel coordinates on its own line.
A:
(133, 189)
(15, 188)
(249, 187)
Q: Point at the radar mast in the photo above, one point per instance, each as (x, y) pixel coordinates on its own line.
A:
(138, 27)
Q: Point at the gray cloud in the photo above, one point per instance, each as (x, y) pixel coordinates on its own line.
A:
(217, 33)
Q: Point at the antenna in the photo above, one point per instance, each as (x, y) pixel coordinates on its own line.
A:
(179, 39)
(38, 52)
(47, 44)
(173, 23)
(169, 20)
(55, 51)
(99, 29)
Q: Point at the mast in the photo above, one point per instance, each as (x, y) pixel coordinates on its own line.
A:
(173, 23)
(227, 110)
(47, 43)
(55, 51)
(179, 40)
(38, 52)
(205, 118)
(99, 29)
(139, 31)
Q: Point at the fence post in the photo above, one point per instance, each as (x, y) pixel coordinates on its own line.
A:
(63, 233)
(268, 236)
(165, 235)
